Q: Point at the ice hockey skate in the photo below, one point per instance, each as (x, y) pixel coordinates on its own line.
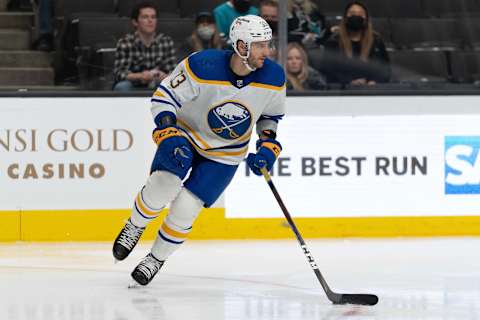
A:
(146, 269)
(126, 240)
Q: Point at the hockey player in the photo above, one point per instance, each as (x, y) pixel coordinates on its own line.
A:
(205, 112)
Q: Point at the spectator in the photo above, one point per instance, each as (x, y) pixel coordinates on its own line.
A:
(44, 13)
(143, 59)
(306, 24)
(356, 54)
(228, 11)
(268, 10)
(205, 35)
(300, 76)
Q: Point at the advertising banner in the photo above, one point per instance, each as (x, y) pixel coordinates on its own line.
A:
(72, 153)
(401, 165)
(95, 153)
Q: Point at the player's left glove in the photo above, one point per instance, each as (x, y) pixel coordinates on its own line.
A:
(268, 151)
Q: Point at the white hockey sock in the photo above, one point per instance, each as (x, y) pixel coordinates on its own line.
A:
(169, 239)
(142, 214)
(177, 225)
(161, 188)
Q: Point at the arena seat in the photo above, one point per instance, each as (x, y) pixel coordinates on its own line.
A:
(97, 40)
(406, 9)
(166, 8)
(178, 29)
(66, 8)
(465, 66)
(470, 31)
(384, 28)
(331, 7)
(446, 8)
(415, 66)
(426, 34)
(189, 8)
(378, 8)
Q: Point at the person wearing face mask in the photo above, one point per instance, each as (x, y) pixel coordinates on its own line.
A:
(204, 36)
(306, 25)
(230, 10)
(356, 54)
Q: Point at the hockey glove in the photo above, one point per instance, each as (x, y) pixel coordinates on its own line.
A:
(174, 152)
(267, 153)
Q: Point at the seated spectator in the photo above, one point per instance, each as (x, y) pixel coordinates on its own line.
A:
(143, 59)
(300, 76)
(268, 10)
(205, 35)
(306, 25)
(227, 12)
(356, 54)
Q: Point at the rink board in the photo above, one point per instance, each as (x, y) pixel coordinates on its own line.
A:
(103, 225)
(351, 167)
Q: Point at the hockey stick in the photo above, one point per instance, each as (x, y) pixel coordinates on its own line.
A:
(336, 298)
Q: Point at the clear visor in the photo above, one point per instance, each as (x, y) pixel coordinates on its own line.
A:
(260, 45)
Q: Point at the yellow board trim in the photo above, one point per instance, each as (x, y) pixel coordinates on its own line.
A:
(104, 225)
(10, 222)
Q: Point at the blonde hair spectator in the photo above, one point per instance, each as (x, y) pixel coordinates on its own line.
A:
(300, 76)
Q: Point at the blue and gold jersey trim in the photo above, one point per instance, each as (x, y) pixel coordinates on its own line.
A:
(267, 86)
(199, 80)
(228, 83)
(163, 94)
(212, 67)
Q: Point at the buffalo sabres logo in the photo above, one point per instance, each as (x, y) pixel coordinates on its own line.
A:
(229, 120)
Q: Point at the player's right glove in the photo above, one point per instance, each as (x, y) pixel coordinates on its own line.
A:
(174, 152)
(268, 151)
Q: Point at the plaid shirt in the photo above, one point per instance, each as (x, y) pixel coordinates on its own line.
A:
(133, 56)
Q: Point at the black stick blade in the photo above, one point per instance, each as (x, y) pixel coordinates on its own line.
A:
(362, 299)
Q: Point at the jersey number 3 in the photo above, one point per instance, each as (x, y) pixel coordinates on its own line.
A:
(175, 82)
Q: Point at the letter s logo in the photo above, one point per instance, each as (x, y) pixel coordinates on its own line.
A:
(462, 165)
(454, 160)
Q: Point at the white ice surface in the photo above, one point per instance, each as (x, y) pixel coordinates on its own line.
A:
(414, 279)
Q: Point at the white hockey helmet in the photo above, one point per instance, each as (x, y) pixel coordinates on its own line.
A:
(249, 28)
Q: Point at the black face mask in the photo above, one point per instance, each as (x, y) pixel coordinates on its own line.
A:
(355, 23)
(273, 25)
(241, 6)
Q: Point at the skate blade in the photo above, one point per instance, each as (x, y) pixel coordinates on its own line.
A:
(134, 285)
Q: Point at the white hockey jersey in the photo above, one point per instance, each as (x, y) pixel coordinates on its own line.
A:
(217, 109)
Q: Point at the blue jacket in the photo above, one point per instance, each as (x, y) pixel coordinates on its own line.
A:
(225, 14)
